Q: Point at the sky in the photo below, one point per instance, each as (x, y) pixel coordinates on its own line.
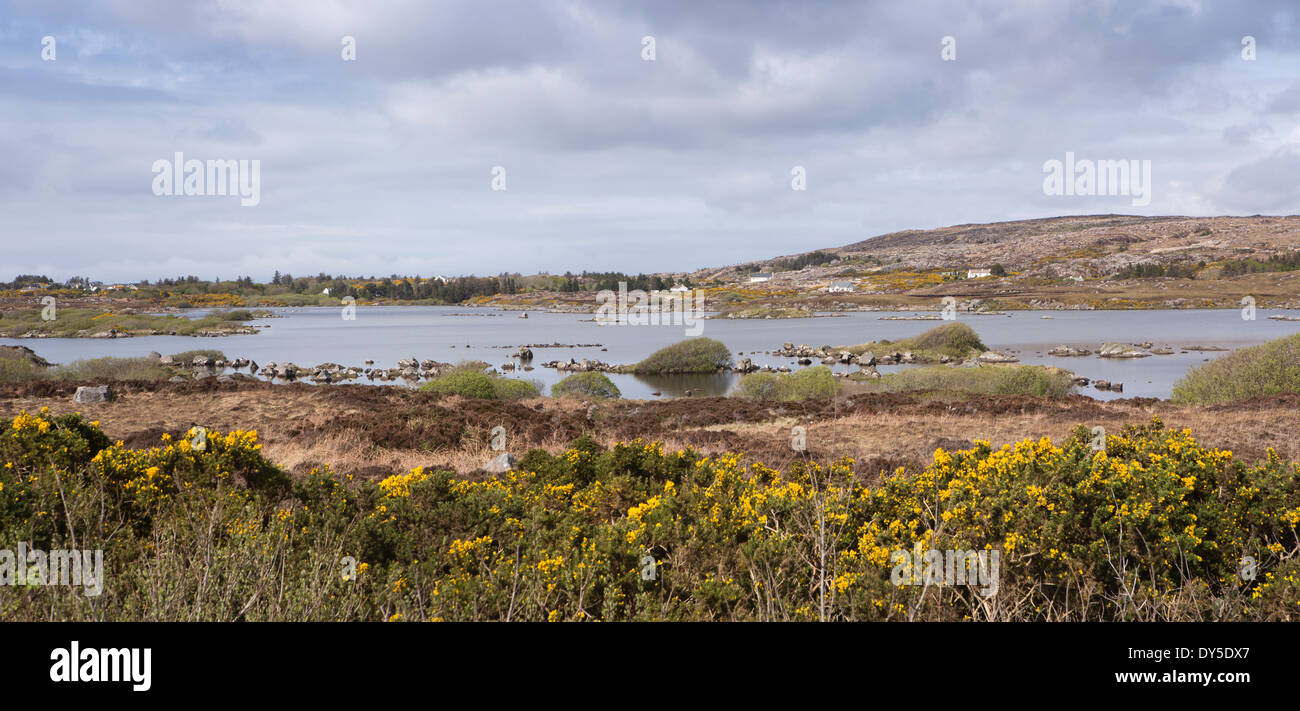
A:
(634, 137)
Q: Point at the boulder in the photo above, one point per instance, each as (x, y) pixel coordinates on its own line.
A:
(1120, 350)
(501, 464)
(93, 393)
(997, 357)
(1064, 351)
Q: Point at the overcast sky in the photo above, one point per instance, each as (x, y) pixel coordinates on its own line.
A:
(385, 164)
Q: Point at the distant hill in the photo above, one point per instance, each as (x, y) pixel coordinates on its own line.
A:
(1088, 246)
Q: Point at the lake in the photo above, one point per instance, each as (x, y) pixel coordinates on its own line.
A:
(385, 334)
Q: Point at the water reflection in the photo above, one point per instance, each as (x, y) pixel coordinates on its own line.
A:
(699, 385)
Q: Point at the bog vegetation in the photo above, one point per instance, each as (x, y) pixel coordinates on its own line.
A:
(17, 366)
(806, 383)
(1267, 369)
(987, 380)
(1147, 525)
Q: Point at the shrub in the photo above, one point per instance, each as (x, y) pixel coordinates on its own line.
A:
(515, 389)
(694, 355)
(1267, 369)
(190, 533)
(955, 340)
(804, 384)
(466, 383)
(589, 384)
(468, 380)
(1033, 380)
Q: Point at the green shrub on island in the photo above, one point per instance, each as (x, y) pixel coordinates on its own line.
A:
(954, 340)
(694, 355)
(586, 385)
(1270, 368)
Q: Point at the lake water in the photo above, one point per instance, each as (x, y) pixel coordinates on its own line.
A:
(386, 334)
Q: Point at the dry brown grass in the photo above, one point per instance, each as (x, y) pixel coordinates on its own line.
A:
(302, 427)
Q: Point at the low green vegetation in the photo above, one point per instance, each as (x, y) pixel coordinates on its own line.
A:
(1038, 381)
(90, 323)
(804, 384)
(954, 340)
(586, 385)
(694, 355)
(17, 367)
(1267, 369)
(469, 380)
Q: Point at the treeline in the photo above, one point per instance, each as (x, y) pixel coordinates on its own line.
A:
(600, 281)
(813, 259)
(414, 288)
(1288, 262)
(1152, 271)
(26, 280)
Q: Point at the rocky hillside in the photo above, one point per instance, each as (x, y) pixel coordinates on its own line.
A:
(1086, 246)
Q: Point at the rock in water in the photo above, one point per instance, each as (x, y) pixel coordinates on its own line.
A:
(93, 393)
(997, 357)
(501, 464)
(1120, 350)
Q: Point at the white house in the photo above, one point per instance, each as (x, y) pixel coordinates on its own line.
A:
(838, 287)
(977, 273)
(680, 289)
(759, 277)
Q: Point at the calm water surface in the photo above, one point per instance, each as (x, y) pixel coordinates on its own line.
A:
(385, 334)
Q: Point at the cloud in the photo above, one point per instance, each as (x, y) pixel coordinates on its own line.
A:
(1265, 185)
(613, 162)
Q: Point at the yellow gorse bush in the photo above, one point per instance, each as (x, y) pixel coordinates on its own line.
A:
(1154, 526)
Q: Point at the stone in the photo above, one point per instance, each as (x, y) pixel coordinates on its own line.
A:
(501, 464)
(93, 393)
(997, 357)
